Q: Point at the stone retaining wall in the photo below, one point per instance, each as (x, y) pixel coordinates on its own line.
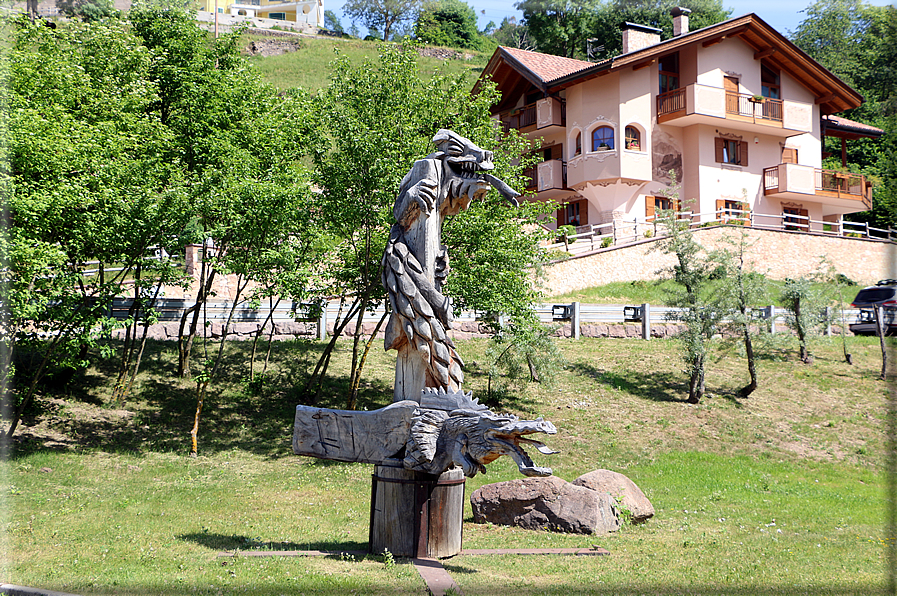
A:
(776, 253)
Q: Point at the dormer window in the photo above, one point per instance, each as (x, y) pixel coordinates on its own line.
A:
(770, 85)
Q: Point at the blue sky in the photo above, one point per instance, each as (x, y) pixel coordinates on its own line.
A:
(784, 15)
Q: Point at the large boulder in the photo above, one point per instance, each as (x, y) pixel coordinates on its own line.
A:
(545, 504)
(622, 489)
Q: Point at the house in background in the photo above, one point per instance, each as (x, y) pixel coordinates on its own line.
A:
(734, 112)
(303, 12)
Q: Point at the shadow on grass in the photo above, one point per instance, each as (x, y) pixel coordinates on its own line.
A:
(222, 542)
(254, 416)
(655, 386)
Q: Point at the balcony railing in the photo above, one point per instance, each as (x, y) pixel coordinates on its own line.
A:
(740, 104)
(826, 182)
(532, 178)
(521, 118)
(671, 102)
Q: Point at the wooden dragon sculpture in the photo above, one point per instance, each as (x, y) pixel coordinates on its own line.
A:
(415, 263)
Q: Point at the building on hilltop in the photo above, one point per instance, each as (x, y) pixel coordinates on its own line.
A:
(734, 111)
(303, 12)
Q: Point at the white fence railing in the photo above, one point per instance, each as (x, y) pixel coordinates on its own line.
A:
(621, 232)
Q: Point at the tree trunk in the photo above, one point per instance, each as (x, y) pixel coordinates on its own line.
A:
(696, 383)
(185, 346)
(255, 341)
(356, 381)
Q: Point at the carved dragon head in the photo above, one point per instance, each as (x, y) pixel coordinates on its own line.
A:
(487, 436)
(467, 172)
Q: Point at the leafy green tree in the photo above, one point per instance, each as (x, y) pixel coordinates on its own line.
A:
(88, 10)
(560, 27)
(332, 22)
(563, 27)
(743, 290)
(450, 23)
(856, 41)
(378, 119)
(93, 194)
(381, 15)
(804, 305)
(701, 306)
(512, 34)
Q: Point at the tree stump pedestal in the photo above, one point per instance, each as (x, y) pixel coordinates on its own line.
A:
(414, 514)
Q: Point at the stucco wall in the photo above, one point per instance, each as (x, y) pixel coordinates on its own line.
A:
(778, 254)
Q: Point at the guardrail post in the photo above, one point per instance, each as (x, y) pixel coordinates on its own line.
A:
(828, 321)
(772, 318)
(574, 322)
(646, 321)
(322, 323)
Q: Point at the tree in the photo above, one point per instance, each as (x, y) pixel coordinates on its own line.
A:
(93, 194)
(700, 306)
(88, 10)
(450, 23)
(744, 288)
(560, 27)
(381, 15)
(512, 34)
(804, 305)
(856, 42)
(379, 117)
(563, 27)
(332, 22)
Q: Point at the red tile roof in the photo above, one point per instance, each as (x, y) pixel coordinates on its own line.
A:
(546, 66)
(852, 126)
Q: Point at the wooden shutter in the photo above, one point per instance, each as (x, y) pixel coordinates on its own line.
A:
(747, 215)
(721, 205)
(743, 153)
(557, 152)
(649, 207)
(789, 155)
(719, 147)
(677, 206)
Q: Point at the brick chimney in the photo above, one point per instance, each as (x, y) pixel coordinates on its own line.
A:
(637, 37)
(680, 20)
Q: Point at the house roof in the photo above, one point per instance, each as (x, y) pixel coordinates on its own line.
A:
(836, 126)
(551, 74)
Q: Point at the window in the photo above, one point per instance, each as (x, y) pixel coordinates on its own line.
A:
(668, 72)
(575, 213)
(796, 218)
(655, 205)
(769, 82)
(633, 140)
(603, 138)
(578, 144)
(731, 151)
(277, 16)
(731, 211)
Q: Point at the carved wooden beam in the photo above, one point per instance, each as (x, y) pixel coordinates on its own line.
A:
(825, 99)
(643, 64)
(764, 53)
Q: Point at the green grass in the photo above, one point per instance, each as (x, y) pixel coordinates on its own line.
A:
(655, 292)
(103, 499)
(309, 67)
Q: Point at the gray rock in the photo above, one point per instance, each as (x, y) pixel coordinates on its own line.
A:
(545, 504)
(620, 488)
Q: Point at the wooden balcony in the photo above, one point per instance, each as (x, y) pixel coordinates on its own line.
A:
(540, 115)
(841, 189)
(702, 104)
(548, 178)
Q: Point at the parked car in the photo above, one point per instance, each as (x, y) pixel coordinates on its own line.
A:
(884, 293)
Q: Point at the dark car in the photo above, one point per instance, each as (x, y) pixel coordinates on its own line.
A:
(884, 293)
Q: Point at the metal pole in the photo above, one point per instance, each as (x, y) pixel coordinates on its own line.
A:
(574, 322)
(646, 321)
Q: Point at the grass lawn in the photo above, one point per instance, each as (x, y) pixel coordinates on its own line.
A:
(782, 493)
(309, 67)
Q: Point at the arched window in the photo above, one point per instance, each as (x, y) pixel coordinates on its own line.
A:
(578, 144)
(603, 138)
(633, 139)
